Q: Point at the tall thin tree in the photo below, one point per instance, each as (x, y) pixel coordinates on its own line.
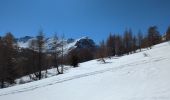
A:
(139, 39)
(62, 53)
(40, 44)
(168, 34)
(56, 52)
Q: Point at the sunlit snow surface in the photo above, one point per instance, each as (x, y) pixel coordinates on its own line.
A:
(140, 76)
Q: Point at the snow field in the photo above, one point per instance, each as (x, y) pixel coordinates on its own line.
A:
(131, 77)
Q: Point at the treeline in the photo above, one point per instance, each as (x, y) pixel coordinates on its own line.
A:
(128, 43)
(16, 62)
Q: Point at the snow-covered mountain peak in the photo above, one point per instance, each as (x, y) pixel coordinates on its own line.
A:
(68, 44)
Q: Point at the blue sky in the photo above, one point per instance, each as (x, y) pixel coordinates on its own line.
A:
(77, 18)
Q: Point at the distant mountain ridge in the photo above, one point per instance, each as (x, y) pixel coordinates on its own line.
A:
(68, 44)
(24, 39)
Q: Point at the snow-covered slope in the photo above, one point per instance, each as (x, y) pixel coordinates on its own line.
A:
(140, 76)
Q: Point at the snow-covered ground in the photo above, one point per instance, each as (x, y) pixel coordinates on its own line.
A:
(140, 76)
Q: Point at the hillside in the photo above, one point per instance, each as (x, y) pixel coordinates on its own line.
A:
(139, 76)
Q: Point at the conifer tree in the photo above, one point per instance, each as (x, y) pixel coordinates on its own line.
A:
(153, 36)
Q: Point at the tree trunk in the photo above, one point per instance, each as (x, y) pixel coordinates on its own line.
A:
(2, 83)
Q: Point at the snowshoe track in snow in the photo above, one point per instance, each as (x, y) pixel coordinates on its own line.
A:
(30, 88)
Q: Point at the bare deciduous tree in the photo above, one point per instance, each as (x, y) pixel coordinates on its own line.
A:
(40, 45)
(168, 34)
(140, 38)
